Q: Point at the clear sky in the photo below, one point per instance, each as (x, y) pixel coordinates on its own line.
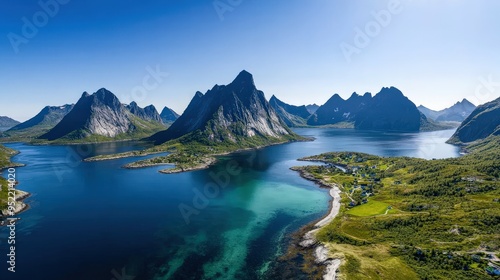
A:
(303, 51)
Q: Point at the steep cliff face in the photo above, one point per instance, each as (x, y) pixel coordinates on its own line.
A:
(227, 113)
(98, 114)
(290, 114)
(481, 123)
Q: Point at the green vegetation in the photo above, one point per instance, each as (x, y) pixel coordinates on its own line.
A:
(435, 219)
(5, 155)
(196, 150)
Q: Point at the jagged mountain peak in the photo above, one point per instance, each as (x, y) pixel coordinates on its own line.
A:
(354, 95)
(168, 115)
(244, 78)
(390, 91)
(227, 113)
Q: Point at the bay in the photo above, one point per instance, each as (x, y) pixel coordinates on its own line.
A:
(96, 220)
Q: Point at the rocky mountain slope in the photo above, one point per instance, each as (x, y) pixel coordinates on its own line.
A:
(290, 114)
(41, 123)
(233, 113)
(483, 122)
(100, 116)
(148, 113)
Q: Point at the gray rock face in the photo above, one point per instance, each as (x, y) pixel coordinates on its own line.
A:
(456, 113)
(290, 114)
(100, 113)
(149, 113)
(227, 113)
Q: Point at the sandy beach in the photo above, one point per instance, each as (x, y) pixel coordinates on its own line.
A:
(321, 253)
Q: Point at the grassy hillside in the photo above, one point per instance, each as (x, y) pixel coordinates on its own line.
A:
(437, 219)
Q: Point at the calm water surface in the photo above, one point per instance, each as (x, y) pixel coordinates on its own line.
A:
(99, 221)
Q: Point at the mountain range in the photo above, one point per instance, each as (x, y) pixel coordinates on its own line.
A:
(337, 110)
(101, 116)
(456, 113)
(237, 113)
(483, 122)
(388, 110)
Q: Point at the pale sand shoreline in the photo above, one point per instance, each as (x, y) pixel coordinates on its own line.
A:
(321, 252)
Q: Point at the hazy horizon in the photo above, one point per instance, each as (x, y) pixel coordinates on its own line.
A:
(162, 52)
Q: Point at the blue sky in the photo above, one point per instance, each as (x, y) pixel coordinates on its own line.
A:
(436, 52)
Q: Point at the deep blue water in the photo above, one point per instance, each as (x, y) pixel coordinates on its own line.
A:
(97, 220)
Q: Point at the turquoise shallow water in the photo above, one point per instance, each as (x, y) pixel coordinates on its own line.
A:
(100, 221)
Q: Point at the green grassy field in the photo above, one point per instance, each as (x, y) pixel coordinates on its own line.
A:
(371, 208)
(445, 214)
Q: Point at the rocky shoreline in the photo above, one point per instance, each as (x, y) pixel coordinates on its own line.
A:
(19, 207)
(320, 251)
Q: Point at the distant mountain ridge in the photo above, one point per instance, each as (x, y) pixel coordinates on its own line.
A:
(290, 114)
(337, 110)
(456, 113)
(233, 113)
(148, 113)
(311, 108)
(102, 116)
(7, 122)
(483, 122)
(389, 110)
(42, 122)
(168, 115)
